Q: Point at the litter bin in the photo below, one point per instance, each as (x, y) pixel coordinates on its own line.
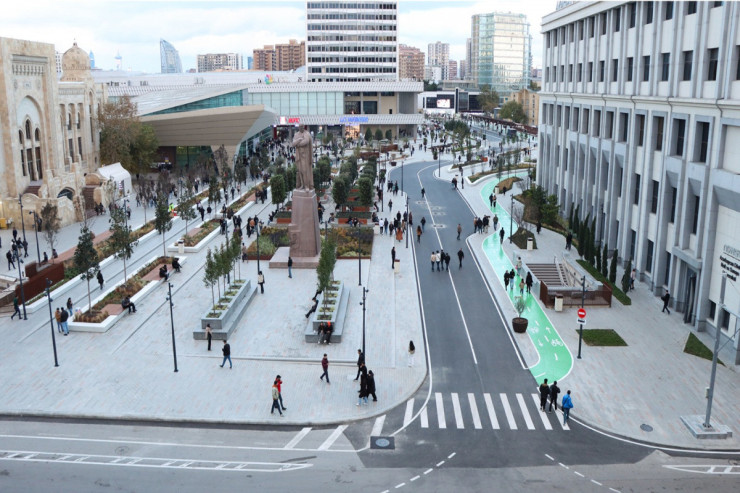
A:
(3, 223)
(559, 303)
(180, 246)
(397, 266)
(530, 244)
(495, 190)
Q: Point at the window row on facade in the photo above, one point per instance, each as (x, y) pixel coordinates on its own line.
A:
(352, 5)
(351, 27)
(350, 16)
(323, 38)
(352, 59)
(352, 48)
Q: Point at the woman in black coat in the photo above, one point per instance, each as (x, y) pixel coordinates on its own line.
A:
(371, 386)
(363, 392)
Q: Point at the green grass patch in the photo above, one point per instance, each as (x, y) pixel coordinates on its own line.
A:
(520, 238)
(618, 293)
(602, 337)
(697, 348)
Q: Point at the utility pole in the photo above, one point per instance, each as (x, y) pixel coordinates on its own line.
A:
(583, 300)
(172, 322)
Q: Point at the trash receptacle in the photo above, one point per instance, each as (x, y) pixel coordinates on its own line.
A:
(559, 303)
(530, 244)
(397, 266)
(180, 246)
(495, 190)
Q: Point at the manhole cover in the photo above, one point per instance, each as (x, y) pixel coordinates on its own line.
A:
(645, 427)
(382, 443)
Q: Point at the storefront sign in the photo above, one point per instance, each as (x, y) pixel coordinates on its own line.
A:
(289, 120)
(349, 120)
(730, 261)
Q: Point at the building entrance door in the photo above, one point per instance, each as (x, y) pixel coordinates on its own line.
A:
(688, 314)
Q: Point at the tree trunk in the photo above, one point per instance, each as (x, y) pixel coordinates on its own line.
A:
(89, 303)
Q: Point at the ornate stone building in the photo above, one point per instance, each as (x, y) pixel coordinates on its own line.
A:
(48, 128)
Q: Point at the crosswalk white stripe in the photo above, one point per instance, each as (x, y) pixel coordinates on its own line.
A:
(423, 418)
(543, 416)
(507, 411)
(440, 410)
(409, 412)
(474, 411)
(333, 437)
(491, 412)
(458, 412)
(299, 436)
(559, 415)
(378, 426)
(525, 413)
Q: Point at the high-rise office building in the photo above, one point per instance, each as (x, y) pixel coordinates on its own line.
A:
(452, 70)
(438, 55)
(250, 62)
(169, 58)
(640, 129)
(352, 40)
(501, 51)
(282, 57)
(462, 69)
(410, 63)
(212, 62)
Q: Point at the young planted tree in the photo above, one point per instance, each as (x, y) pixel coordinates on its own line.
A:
(325, 269)
(186, 206)
(143, 189)
(51, 225)
(86, 259)
(368, 135)
(389, 135)
(209, 277)
(626, 276)
(290, 178)
(613, 267)
(279, 193)
(365, 185)
(378, 134)
(604, 262)
(214, 192)
(121, 239)
(340, 190)
(162, 219)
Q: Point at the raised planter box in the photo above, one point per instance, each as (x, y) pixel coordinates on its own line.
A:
(337, 317)
(199, 246)
(223, 325)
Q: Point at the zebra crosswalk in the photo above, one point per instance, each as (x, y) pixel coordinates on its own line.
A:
(486, 412)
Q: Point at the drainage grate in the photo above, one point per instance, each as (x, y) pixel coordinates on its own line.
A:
(645, 427)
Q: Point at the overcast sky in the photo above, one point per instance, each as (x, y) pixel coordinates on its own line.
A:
(134, 28)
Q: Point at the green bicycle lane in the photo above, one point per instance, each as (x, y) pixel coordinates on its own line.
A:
(555, 360)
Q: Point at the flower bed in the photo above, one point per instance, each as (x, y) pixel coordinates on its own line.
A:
(223, 316)
(206, 228)
(335, 310)
(270, 240)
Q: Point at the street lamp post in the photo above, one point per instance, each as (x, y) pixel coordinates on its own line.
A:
(51, 322)
(359, 258)
(364, 304)
(23, 225)
(36, 229)
(407, 222)
(20, 278)
(172, 322)
(257, 229)
(583, 300)
(511, 219)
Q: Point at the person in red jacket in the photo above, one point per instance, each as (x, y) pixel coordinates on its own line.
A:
(325, 366)
(279, 384)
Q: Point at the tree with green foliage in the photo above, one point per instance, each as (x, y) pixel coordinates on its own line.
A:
(324, 168)
(121, 240)
(512, 110)
(214, 192)
(325, 268)
(86, 259)
(340, 190)
(389, 135)
(626, 276)
(613, 267)
(488, 98)
(349, 168)
(50, 225)
(209, 276)
(186, 205)
(378, 134)
(365, 185)
(124, 138)
(279, 193)
(598, 259)
(240, 173)
(368, 135)
(570, 217)
(290, 178)
(430, 86)
(604, 261)
(162, 219)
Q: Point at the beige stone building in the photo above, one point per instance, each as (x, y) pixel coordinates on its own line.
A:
(280, 57)
(49, 129)
(530, 101)
(410, 63)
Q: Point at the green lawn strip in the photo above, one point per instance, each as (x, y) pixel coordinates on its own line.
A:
(697, 348)
(602, 337)
(618, 293)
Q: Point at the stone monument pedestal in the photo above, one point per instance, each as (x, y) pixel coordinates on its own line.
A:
(305, 241)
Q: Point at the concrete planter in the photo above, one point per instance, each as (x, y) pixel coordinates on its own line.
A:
(225, 323)
(198, 247)
(336, 316)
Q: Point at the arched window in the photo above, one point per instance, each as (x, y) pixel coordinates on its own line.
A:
(20, 137)
(37, 135)
(28, 129)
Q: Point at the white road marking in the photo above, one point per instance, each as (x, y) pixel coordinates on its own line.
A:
(440, 410)
(563, 465)
(564, 426)
(507, 411)
(525, 413)
(491, 412)
(578, 474)
(299, 436)
(706, 469)
(615, 491)
(543, 416)
(409, 412)
(440, 463)
(596, 482)
(549, 457)
(457, 411)
(400, 485)
(428, 471)
(474, 411)
(333, 437)
(453, 454)
(377, 426)
(424, 418)
(415, 478)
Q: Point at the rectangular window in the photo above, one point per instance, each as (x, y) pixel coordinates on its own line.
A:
(591, 24)
(636, 198)
(597, 123)
(590, 71)
(712, 55)
(562, 73)
(615, 69)
(630, 68)
(640, 124)
(716, 4)
(680, 129)
(737, 62)
(581, 28)
(572, 30)
(580, 72)
(668, 11)
(654, 197)
(712, 310)
(649, 257)
(724, 320)
(695, 219)
(624, 123)
(646, 68)
(609, 125)
(633, 14)
(566, 118)
(584, 123)
(633, 243)
(602, 65)
(603, 23)
(658, 125)
(617, 19)
(667, 268)
(674, 200)
(570, 72)
(547, 74)
(575, 119)
(702, 144)
(648, 12)
(688, 59)
(690, 8)
(665, 66)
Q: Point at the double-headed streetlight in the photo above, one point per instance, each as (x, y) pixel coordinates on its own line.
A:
(51, 322)
(364, 304)
(20, 278)
(36, 228)
(172, 322)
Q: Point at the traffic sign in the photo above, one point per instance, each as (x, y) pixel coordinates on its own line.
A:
(581, 316)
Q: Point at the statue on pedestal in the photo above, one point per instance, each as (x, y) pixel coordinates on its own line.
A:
(303, 159)
(304, 221)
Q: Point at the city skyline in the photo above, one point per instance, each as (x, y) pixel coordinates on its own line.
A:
(135, 28)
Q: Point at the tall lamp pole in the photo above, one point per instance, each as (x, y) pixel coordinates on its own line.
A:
(359, 259)
(172, 322)
(23, 225)
(36, 228)
(51, 322)
(511, 219)
(18, 258)
(407, 222)
(364, 304)
(583, 300)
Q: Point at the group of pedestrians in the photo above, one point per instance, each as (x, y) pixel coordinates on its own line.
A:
(367, 380)
(61, 315)
(551, 392)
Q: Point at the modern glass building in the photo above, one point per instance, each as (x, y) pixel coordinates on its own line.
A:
(169, 58)
(501, 51)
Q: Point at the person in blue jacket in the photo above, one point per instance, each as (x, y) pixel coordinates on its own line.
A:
(567, 406)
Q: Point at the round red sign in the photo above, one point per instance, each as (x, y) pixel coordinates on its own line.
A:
(581, 313)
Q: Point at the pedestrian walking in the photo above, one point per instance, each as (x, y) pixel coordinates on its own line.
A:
(209, 335)
(446, 259)
(459, 230)
(423, 222)
(362, 393)
(290, 267)
(390, 205)
(529, 282)
(58, 318)
(568, 240)
(24, 243)
(16, 310)
(360, 363)
(371, 386)
(433, 258)
(393, 258)
(261, 282)
(666, 299)
(438, 259)
(633, 276)
(15, 234)
(554, 391)
(567, 405)
(544, 392)
(412, 350)
(226, 350)
(506, 280)
(521, 287)
(418, 234)
(490, 199)
(423, 192)
(279, 383)
(460, 257)
(539, 226)
(64, 316)
(100, 279)
(70, 305)
(275, 402)
(9, 256)
(512, 276)
(325, 367)
(501, 234)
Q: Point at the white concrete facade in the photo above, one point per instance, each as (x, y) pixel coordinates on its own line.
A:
(640, 127)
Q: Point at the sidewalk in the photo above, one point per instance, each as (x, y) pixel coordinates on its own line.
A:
(618, 389)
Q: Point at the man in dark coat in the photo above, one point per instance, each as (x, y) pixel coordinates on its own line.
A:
(360, 363)
(554, 391)
(544, 392)
(371, 385)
